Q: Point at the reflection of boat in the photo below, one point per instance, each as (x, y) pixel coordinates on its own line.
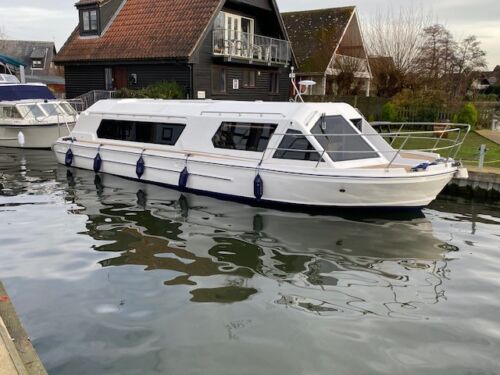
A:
(30, 117)
(203, 241)
(314, 154)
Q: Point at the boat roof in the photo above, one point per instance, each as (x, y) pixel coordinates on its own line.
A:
(15, 92)
(210, 108)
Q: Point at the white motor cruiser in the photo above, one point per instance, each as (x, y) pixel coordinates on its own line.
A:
(316, 155)
(30, 116)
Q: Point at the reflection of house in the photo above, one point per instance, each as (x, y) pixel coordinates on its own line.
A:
(221, 49)
(487, 80)
(329, 49)
(37, 57)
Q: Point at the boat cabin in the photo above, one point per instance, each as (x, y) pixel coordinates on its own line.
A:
(33, 112)
(257, 131)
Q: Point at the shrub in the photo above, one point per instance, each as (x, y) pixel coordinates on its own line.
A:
(389, 112)
(468, 115)
(160, 90)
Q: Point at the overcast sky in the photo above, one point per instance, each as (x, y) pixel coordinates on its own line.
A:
(55, 19)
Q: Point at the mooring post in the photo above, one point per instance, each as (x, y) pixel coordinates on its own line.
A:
(482, 154)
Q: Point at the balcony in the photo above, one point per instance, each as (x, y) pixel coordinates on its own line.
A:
(239, 46)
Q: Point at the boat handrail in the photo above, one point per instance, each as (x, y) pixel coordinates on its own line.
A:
(438, 135)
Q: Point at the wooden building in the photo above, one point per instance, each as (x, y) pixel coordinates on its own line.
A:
(218, 49)
(329, 48)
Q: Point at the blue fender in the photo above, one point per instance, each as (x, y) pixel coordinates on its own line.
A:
(140, 167)
(68, 159)
(183, 178)
(258, 187)
(97, 163)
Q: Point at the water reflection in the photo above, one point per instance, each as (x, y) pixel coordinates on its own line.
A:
(320, 264)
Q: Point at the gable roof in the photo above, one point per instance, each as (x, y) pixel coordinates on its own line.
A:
(316, 34)
(145, 29)
(26, 50)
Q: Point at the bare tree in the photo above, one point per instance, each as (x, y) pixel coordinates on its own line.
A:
(3, 35)
(398, 34)
(437, 55)
(346, 81)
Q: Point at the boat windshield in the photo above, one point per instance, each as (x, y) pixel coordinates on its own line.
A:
(341, 140)
(9, 112)
(30, 111)
(52, 109)
(68, 108)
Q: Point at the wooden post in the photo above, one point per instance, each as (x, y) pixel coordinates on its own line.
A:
(482, 154)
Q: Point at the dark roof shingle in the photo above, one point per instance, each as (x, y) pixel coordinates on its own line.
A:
(145, 29)
(315, 35)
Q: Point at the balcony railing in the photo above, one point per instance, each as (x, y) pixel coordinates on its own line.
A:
(251, 47)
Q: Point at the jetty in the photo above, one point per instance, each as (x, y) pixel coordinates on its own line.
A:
(483, 183)
(17, 355)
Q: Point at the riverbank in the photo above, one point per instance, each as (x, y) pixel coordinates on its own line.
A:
(483, 183)
(17, 355)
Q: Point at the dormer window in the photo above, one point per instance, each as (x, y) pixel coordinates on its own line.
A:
(89, 22)
(37, 63)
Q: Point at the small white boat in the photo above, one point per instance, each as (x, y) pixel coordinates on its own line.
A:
(309, 154)
(30, 116)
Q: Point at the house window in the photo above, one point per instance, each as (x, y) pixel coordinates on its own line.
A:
(249, 78)
(295, 140)
(243, 136)
(219, 80)
(89, 21)
(274, 83)
(139, 131)
(37, 63)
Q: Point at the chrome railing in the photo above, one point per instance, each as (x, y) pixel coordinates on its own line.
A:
(444, 137)
(252, 47)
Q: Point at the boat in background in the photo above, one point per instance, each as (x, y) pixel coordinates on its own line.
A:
(309, 154)
(30, 115)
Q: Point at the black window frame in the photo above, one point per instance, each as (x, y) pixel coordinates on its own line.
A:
(90, 31)
(274, 83)
(224, 137)
(41, 66)
(218, 73)
(149, 132)
(283, 152)
(248, 81)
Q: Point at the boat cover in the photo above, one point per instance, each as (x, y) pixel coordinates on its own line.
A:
(22, 92)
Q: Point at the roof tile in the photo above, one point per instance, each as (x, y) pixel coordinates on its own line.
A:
(145, 29)
(315, 35)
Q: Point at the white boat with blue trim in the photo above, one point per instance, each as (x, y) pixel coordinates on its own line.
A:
(30, 116)
(308, 154)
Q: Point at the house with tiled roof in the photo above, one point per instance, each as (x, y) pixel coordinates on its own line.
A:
(37, 57)
(219, 49)
(329, 49)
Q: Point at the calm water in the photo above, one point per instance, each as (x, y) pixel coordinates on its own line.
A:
(115, 277)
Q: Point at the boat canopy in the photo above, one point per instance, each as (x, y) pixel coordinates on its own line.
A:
(10, 61)
(13, 92)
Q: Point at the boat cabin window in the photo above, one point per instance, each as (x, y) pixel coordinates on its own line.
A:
(9, 112)
(341, 140)
(31, 110)
(52, 109)
(243, 136)
(68, 108)
(295, 146)
(139, 131)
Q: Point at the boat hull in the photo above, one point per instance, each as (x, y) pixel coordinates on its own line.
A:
(237, 182)
(35, 136)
